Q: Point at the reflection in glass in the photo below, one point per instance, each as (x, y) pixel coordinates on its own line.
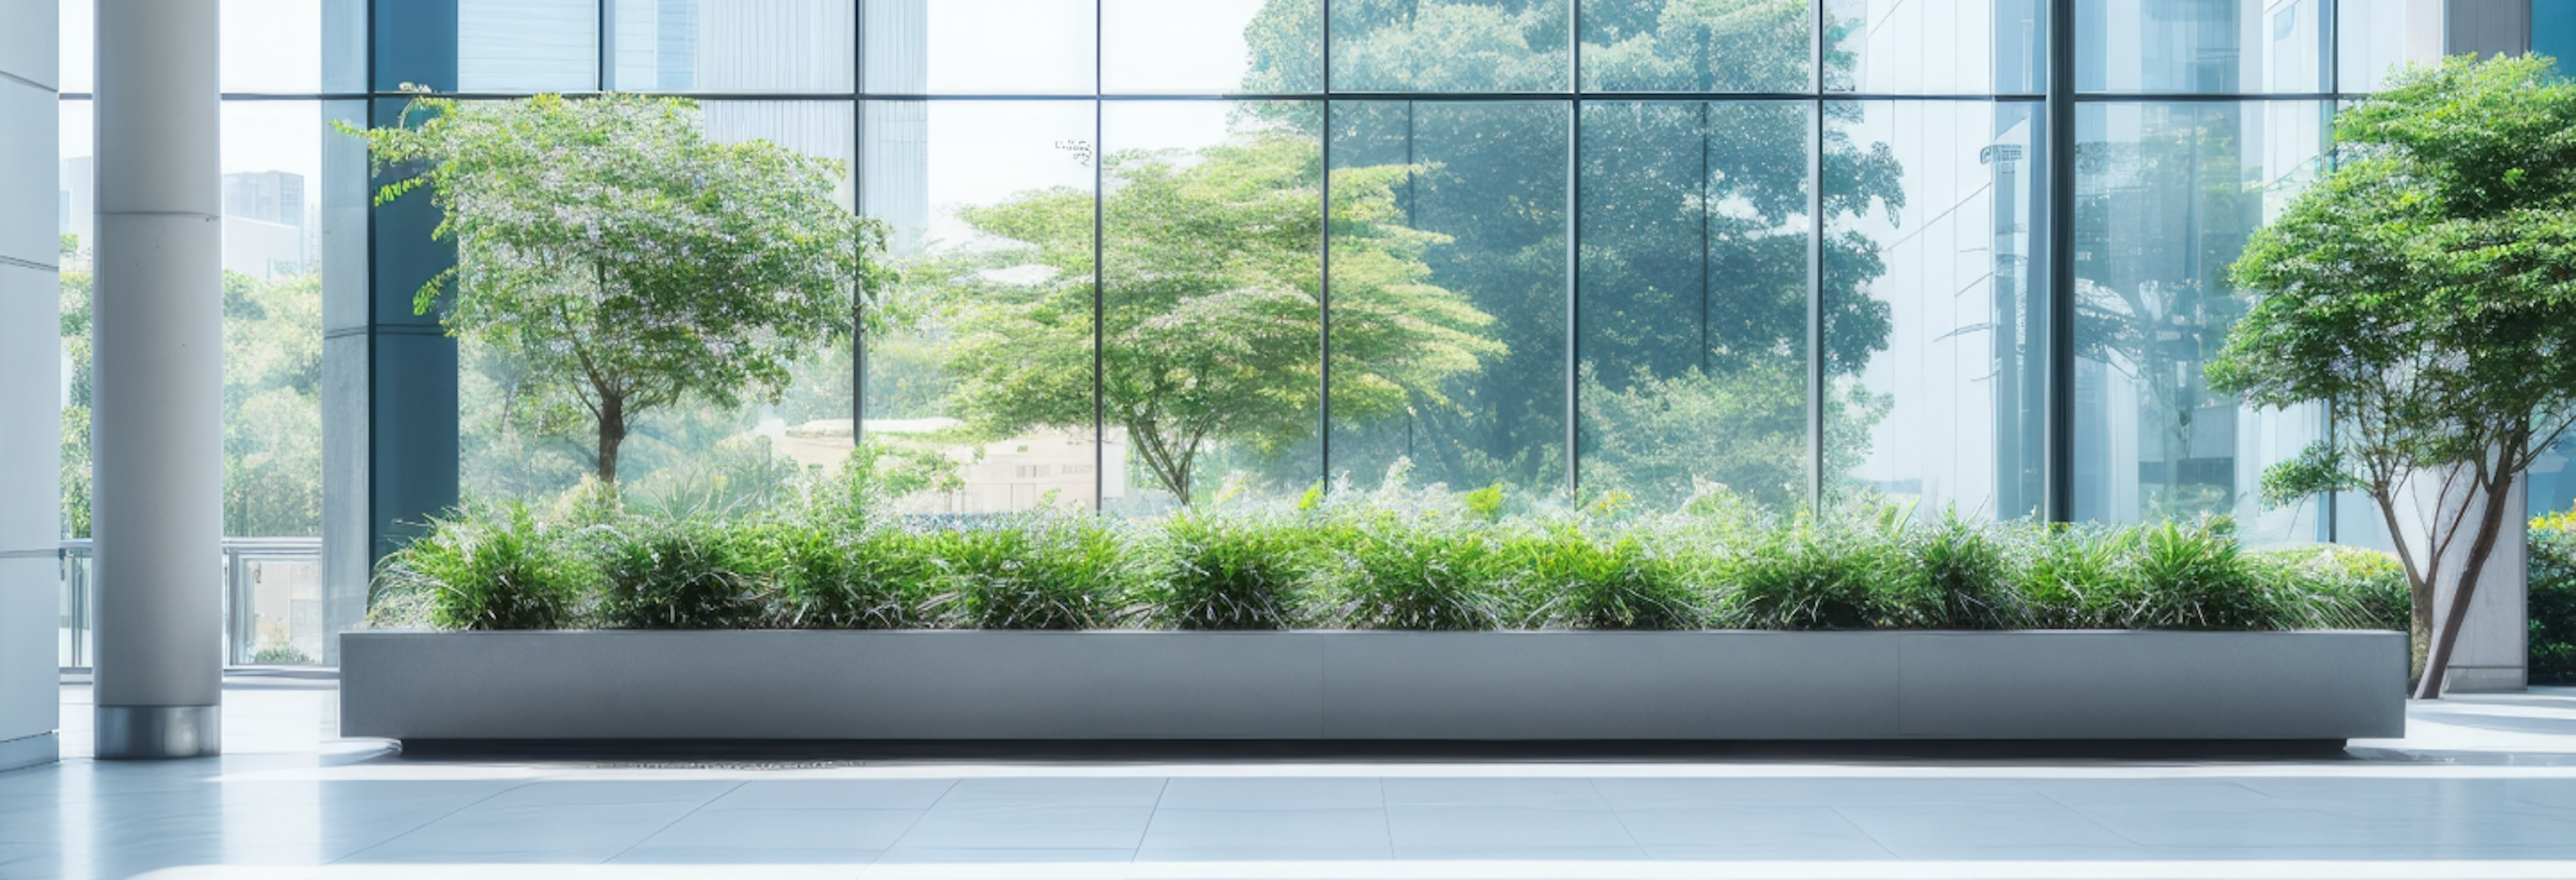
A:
(1693, 304)
(2166, 195)
(1945, 412)
(2370, 40)
(1448, 45)
(1727, 46)
(2202, 46)
(1211, 46)
(730, 46)
(1954, 47)
(968, 47)
(1449, 224)
(984, 393)
(293, 46)
(527, 45)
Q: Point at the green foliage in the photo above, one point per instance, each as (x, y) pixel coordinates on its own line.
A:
(1608, 579)
(1392, 558)
(280, 655)
(687, 574)
(2550, 599)
(491, 567)
(1249, 571)
(620, 262)
(1396, 572)
(1035, 571)
(1485, 503)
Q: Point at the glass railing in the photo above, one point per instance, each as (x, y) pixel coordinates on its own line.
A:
(272, 590)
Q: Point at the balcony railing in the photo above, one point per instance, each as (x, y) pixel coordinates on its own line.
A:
(272, 590)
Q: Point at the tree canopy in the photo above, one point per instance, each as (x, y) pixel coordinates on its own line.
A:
(2426, 289)
(623, 258)
(1210, 306)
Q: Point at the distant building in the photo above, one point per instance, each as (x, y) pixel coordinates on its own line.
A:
(266, 196)
(264, 228)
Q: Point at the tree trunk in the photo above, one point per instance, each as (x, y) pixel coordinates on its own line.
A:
(2437, 661)
(612, 432)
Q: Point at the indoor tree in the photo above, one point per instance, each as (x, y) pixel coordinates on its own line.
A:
(622, 258)
(2425, 290)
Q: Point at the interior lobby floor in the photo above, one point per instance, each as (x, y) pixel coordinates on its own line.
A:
(2482, 786)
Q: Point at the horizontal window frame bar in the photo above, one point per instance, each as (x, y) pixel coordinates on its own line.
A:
(1462, 97)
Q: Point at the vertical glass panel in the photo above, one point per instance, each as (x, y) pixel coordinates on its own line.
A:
(1449, 45)
(272, 176)
(293, 46)
(2201, 46)
(76, 215)
(1449, 299)
(731, 46)
(1726, 46)
(527, 45)
(2166, 195)
(2372, 37)
(1932, 47)
(1934, 334)
(522, 436)
(1694, 300)
(971, 47)
(1211, 46)
(77, 61)
(989, 366)
(1211, 338)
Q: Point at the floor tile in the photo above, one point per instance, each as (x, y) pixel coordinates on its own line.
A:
(1526, 793)
(1269, 829)
(1029, 828)
(1792, 833)
(834, 794)
(1504, 827)
(1077, 791)
(1273, 793)
(794, 829)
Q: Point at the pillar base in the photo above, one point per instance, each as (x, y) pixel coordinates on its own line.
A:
(155, 732)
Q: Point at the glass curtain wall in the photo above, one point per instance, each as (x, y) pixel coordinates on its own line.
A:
(1159, 253)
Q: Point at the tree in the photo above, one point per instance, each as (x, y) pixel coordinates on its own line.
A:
(1694, 254)
(2425, 290)
(1209, 306)
(625, 260)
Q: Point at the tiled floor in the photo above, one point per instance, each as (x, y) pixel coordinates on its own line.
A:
(2484, 787)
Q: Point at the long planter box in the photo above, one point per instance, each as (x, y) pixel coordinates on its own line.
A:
(1309, 685)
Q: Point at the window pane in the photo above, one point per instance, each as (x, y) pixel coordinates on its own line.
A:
(731, 46)
(1731, 46)
(1694, 300)
(1211, 332)
(77, 62)
(2371, 39)
(1449, 45)
(1936, 338)
(971, 47)
(294, 46)
(1449, 349)
(2166, 195)
(527, 45)
(1935, 47)
(1211, 46)
(990, 204)
(2201, 46)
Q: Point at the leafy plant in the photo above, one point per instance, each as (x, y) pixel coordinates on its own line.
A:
(1391, 573)
(872, 577)
(1966, 573)
(1233, 572)
(1815, 574)
(490, 567)
(690, 574)
(280, 655)
(1612, 581)
(2195, 576)
(1033, 571)
(2077, 576)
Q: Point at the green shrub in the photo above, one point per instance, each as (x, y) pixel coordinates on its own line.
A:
(1821, 575)
(689, 574)
(1393, 573)
(2550, 599)
(2077, 576)
(2331, 587)
(2196, 576)
(489, 567)
(1613, 581)
(1033, 571)
(1233, 572)
(870, 577)
(1962, 576)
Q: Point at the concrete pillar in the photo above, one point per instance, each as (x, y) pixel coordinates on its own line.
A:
(157, 504)
(30, 387)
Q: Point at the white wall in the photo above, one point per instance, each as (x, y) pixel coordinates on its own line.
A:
(30, 384)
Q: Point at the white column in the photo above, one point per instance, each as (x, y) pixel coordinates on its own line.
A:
(158, 324)
(30, 386)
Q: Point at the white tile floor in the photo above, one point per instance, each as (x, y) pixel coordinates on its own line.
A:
(2483, 787)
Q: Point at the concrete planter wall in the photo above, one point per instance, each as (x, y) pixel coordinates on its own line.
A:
(1726, 685)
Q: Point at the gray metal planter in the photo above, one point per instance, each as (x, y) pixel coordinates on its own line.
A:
(1336, 685)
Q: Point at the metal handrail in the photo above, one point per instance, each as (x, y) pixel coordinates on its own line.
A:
(244, 562)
